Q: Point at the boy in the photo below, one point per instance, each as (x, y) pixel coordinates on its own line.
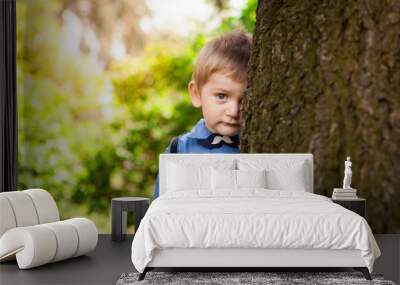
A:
(218, 83)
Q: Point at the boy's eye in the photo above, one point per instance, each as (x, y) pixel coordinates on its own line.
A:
(221, 96)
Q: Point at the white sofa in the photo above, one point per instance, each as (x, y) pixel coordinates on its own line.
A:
(31, 231)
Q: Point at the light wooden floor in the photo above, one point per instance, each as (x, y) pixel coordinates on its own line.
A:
(111, 259)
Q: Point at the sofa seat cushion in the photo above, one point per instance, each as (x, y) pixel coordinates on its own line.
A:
(40, 244)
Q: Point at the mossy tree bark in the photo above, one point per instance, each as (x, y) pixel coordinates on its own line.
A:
(324, 78)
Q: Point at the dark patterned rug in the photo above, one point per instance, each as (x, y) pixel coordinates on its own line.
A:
(229, 278)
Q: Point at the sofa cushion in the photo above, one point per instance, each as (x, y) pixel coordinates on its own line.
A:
(45, 206)
(24, 211)
(40, 244)
(30, 230)
(26, 208)
(7, 220)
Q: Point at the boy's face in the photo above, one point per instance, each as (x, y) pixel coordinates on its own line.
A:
(220, 100)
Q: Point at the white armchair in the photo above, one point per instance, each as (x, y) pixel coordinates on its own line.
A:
(31, 230)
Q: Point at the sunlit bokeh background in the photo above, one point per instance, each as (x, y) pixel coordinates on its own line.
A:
(102, 88)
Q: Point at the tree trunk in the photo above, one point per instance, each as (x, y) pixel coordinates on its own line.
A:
(324, 78)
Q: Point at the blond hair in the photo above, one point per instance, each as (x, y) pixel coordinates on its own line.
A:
(229, 53)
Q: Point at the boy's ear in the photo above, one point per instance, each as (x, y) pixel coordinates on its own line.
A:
(194, 94)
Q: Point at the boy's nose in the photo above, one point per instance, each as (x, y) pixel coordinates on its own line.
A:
(234, 110)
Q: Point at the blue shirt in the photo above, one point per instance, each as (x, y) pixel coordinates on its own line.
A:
(188, 144)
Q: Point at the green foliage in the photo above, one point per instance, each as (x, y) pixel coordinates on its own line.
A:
(59, 114)
(157, 108)
(246, 20)
(248, 15)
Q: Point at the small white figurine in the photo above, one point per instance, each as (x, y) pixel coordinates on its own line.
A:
(347, 174)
